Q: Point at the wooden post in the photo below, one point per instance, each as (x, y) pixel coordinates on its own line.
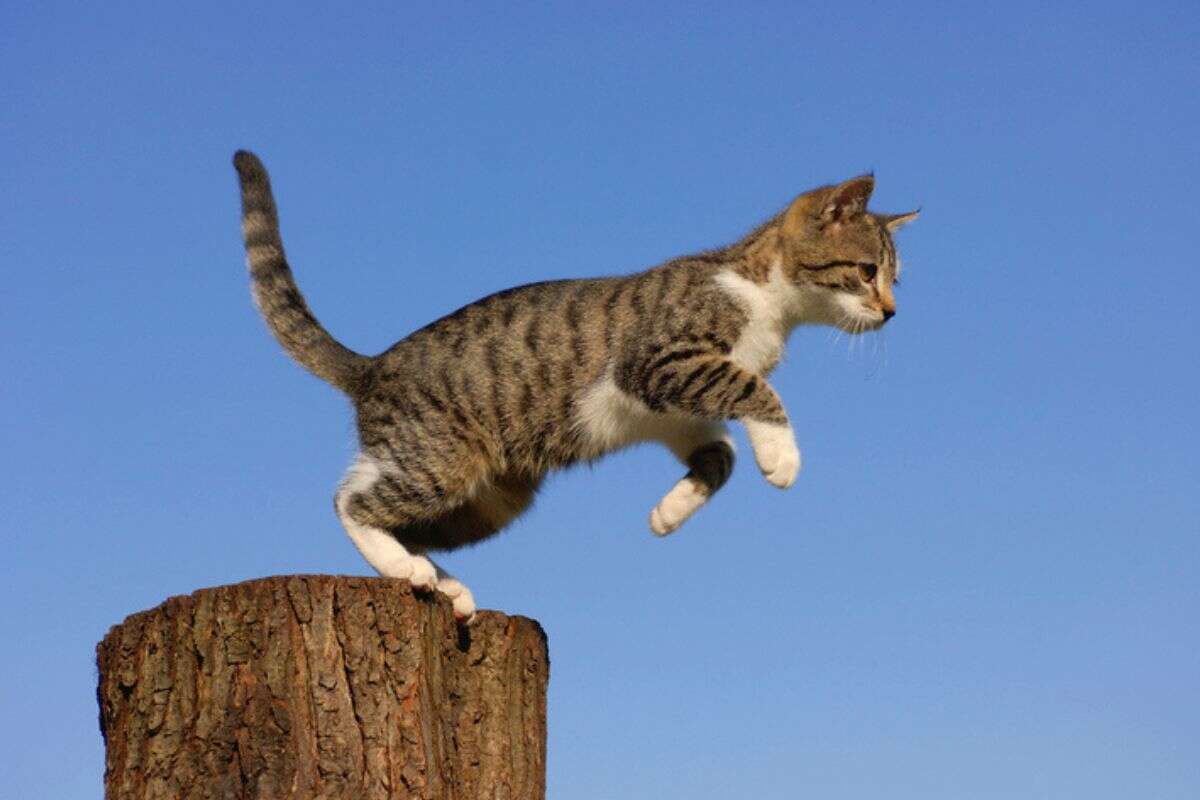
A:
(322, 687)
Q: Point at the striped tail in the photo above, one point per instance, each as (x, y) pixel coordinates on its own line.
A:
(275, 290)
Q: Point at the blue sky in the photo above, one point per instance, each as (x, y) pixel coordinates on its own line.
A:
(984, 583)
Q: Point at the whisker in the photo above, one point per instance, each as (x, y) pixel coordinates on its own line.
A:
(840, 331)
(874, 368)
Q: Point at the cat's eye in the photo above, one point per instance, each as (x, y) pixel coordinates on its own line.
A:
(868, 271)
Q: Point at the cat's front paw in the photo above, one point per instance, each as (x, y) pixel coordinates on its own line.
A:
(679, 504)
(775, 451)
(460, 596)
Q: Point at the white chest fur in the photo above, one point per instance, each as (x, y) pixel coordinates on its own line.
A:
(770, 319)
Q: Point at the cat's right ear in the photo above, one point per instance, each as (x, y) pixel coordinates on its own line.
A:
(894, 222)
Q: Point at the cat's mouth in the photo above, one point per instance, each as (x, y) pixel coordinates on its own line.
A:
(865, 323)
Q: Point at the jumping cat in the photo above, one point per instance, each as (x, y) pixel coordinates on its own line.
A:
(460, 421)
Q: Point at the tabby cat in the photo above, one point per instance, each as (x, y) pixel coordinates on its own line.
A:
(460, 421)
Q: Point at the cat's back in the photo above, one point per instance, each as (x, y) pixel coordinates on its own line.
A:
(513, 364)
(510, 332)
(574, 324)
(503, 370)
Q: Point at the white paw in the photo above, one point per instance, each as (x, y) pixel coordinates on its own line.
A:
(775, 451)
(678, 504)
(460, 596)
(417, 570)
(424, 575)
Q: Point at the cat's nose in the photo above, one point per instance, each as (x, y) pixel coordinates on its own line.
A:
(888, 313)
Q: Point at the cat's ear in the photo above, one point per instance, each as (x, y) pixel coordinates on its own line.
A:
(894, 222)
(829, 204)
(848, 199)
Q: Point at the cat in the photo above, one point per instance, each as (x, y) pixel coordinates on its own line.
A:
(459, 421)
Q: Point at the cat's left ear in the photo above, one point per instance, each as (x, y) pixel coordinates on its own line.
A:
(894, 222)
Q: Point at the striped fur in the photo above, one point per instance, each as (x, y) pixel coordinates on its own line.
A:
(460, 421)
(275, 290)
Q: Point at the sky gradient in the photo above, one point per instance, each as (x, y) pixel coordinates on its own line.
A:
(985, 581)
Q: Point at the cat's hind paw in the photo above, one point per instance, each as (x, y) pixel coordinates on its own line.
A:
(678, 504)
(417, 570)
(460, 596)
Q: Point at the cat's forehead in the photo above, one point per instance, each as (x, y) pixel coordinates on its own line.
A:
(886, 244)
(862, 237)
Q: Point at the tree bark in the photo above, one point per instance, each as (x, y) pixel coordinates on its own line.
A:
(322, 687)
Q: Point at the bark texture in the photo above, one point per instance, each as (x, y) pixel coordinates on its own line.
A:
(322, 687)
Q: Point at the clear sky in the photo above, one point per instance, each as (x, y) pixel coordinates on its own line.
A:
(984, 583)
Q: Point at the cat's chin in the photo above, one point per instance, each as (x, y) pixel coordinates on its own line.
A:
(861, 324)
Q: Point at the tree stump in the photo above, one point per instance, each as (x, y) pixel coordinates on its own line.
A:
(322, 687)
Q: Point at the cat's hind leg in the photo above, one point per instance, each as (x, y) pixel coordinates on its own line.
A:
(493, 504)
(370, 502)
(707, 450)
(394, 519)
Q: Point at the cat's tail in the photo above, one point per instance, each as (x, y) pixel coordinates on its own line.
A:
(275, 290)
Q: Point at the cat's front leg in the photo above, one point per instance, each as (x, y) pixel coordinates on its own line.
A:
(707, 449)
(710, 386)
(740, 394)
(743, 395)
(775, 450)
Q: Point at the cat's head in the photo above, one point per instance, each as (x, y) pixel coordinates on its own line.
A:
(840, 256)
